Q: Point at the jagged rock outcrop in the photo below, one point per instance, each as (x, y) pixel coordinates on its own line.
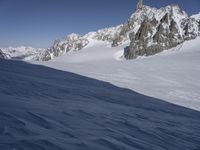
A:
(161, 32)
(71, 42)
(74, 42)
(191, 28)
(149, 30)
(139, 4)
(142, 13)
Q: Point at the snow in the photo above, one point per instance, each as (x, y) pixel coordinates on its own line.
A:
(172, 75)
(65, 103)
(95, 99)
(43, 108)
(22, 52)
(196, 16)
(102, 33)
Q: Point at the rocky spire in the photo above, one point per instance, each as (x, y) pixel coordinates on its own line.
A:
(139, 4)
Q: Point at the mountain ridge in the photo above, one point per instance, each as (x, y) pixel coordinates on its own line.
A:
(164, 28)
(182, 28)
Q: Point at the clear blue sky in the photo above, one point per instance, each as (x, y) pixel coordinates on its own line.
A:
(38, 23)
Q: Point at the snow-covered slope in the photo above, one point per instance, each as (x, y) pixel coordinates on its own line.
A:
(47, 109)
(196, 16)
(172, 75)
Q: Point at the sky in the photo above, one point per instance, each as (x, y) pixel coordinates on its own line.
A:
(38, 23)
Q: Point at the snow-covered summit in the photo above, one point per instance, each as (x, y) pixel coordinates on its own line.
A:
(150, 12)
(182, 26)
(148, 30)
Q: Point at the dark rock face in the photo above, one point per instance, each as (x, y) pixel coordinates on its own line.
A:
(154, 22)
(139, 40)
(190, 28)
(152, 16)
(165, 19)
(154, 36)
(149, 30)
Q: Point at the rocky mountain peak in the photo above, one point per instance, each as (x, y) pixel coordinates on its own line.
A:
(139, 4)
(161, 29)
(72, 42)
(149, 30)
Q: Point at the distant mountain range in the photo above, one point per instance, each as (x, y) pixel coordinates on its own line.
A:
(148, 30)
(21, 53)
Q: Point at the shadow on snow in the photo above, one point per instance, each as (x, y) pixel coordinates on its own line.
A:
(47, 109)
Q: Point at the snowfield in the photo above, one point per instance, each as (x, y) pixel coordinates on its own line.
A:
(173, 75)
(87, 96)
(95, 99)
(47, 109)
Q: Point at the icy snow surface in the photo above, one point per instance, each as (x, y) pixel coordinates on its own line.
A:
(47, 109)
(42, 108)
(173, 76)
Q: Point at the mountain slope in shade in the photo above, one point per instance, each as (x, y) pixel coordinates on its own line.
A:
(43, 108)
